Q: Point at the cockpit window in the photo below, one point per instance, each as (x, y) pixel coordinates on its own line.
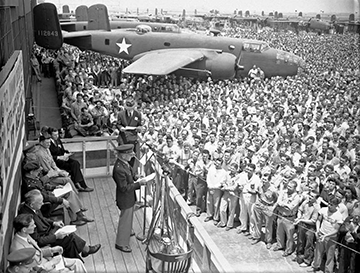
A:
(255, 47)
(141, 29)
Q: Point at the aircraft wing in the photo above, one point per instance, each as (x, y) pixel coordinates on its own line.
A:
(77, 34)
(163, 62)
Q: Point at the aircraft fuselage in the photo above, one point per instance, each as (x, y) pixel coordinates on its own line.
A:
(129, 44)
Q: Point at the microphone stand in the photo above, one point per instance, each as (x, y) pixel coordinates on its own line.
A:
(139, 204)
(143, 236)
(165, 171)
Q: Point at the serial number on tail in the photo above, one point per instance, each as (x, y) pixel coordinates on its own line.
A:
(47, 33)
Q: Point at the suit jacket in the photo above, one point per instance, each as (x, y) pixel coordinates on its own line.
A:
(43, 234)
(43, 256)
(57, 148)
(129, 136)
(125, 185)
(41, 253)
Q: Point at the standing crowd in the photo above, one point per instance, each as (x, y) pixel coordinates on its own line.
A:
(279, 155)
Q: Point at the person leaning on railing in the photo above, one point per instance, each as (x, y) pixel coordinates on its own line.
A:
(201, 170)
(327, 227)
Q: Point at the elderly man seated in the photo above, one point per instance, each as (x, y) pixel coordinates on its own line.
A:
(45, 231)
(47, 257)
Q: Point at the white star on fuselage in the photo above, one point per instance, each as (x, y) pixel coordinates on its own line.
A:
(123, 46)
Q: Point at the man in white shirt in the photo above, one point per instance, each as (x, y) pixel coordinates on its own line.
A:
(216, 178)
(327, 227)
(249, 184)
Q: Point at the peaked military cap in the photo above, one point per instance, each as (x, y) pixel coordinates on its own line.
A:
(125, 148)
(21, 256)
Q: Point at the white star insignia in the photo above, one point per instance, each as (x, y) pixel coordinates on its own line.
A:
(123, 46)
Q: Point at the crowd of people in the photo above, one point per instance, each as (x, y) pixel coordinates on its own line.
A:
(279, 155)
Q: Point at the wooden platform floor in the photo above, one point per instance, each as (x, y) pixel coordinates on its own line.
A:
(101, 206)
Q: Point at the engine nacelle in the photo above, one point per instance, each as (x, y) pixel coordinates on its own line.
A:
(222, 66)
(218, 65)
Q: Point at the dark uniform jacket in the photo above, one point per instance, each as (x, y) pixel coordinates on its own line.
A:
(125, 185)
(31, 183)
(129, 136)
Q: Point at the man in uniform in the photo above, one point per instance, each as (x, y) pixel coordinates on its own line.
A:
(130, 118)
(123, 176)
(21, 261)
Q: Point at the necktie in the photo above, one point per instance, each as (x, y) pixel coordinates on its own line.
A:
(38, 251)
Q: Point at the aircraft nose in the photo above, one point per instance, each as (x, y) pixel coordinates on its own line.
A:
(299, 61)
(302, 63)
(290, 61)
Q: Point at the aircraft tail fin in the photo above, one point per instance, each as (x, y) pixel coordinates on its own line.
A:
(65, 9)
(81, 13)
(98, 17)
(47, 31)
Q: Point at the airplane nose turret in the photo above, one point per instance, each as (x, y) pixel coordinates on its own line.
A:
(289, 63)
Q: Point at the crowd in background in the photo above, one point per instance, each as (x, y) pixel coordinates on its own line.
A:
(286, 150)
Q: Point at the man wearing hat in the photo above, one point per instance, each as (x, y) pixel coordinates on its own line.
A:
(123, 176)
(130, 118)
(21, 261)
(70, 201)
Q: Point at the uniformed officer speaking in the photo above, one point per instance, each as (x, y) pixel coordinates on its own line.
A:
(125, 194)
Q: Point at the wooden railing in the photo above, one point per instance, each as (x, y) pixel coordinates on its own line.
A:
(206, 253)
(94, 154)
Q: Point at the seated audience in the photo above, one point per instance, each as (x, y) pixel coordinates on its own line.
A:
(44, 233)
(46, 257)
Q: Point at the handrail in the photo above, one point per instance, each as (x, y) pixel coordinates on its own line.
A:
(206, 253)
(212, 259)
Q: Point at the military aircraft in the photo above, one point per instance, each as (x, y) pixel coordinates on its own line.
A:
(119, 24)
(81, 23)
(159, 53)
(318, 25)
